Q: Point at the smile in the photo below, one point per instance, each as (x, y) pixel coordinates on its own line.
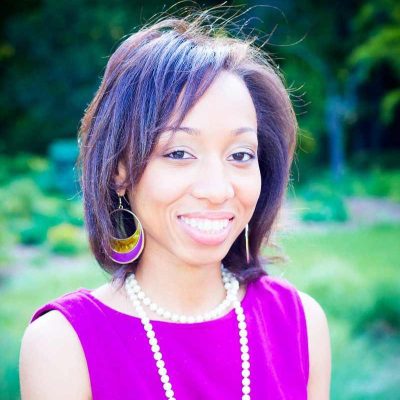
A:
(206, 231)
(207, 225)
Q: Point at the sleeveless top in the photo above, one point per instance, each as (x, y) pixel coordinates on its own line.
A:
(202, 358)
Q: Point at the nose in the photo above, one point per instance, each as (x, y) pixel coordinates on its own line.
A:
(213, 182)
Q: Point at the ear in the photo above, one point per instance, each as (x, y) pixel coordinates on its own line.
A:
(119, 179)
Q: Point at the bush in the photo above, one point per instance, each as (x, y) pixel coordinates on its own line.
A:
(7, 240)
(66, 239)
(383, 159)
(321, 203)
(21, 165)
(63, 155)
(373, 182)
(28, 213)
(384, 184)
(382, 318)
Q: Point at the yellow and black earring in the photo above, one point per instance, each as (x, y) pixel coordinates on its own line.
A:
(124, 250)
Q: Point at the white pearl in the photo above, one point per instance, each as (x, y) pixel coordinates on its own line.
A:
(167, 386)
(146, 301)
(151, 335)
(147, 327)
(136, 303)
(243, 333)
(152, 339)
(208, 315)
(245, 373)
(175, 317)
(244, 348)
(159, 311)
(246, 390)
(155, 348)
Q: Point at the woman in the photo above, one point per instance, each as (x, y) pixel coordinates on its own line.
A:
(185, 154)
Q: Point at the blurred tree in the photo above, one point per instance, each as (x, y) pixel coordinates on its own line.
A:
(52, 55)
(340, 59)
(377, 60)
(329, 52)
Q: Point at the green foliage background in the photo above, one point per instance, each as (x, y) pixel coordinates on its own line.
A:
(341, 63)
(341, 60)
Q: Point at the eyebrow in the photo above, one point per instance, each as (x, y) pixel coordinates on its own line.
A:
(197, 132)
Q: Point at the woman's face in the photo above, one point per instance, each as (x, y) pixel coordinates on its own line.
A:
(200, 189)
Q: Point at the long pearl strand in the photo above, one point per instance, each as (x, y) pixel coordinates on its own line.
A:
(232, 285)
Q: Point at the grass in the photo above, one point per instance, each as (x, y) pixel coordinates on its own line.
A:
(352, 273)
(24, 293)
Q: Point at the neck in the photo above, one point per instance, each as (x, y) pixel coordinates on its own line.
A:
(181, 287)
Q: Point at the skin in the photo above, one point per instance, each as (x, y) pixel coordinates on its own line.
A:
(211, 171)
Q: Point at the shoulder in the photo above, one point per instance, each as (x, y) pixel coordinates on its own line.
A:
(319, 348)
(52, 362)
(315, 315)
(283, 293)
(291, 300)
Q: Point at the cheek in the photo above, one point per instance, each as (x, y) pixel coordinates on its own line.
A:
(158, 188)
(248, 189)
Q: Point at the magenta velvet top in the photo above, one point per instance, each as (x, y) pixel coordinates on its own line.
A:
(203, 358)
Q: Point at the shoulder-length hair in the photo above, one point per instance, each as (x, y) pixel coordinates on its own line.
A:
(136, 98)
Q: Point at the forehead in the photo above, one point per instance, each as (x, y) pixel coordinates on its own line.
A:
(226, 107)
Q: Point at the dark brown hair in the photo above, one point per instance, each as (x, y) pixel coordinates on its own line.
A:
(138, 95)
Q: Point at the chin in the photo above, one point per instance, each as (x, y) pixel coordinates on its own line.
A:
(204, 257)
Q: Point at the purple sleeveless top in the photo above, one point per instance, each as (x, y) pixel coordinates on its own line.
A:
(203, 358)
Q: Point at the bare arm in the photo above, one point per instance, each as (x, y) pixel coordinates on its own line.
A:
(319, 349)
(52, 363)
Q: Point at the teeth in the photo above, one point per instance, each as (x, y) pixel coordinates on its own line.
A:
(207, 225)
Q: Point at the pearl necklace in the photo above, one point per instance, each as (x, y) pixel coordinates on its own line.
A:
(231, 283)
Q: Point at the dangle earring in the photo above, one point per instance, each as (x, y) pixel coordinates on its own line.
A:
(124, 250)
(246, 234)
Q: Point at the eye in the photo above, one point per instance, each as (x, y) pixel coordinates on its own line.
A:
(242, 156)
(177, 155)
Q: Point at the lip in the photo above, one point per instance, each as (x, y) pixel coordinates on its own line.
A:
(209, 239)
(209, 215)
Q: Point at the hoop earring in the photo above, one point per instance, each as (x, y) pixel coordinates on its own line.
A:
(246, 235)
(127, 250)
